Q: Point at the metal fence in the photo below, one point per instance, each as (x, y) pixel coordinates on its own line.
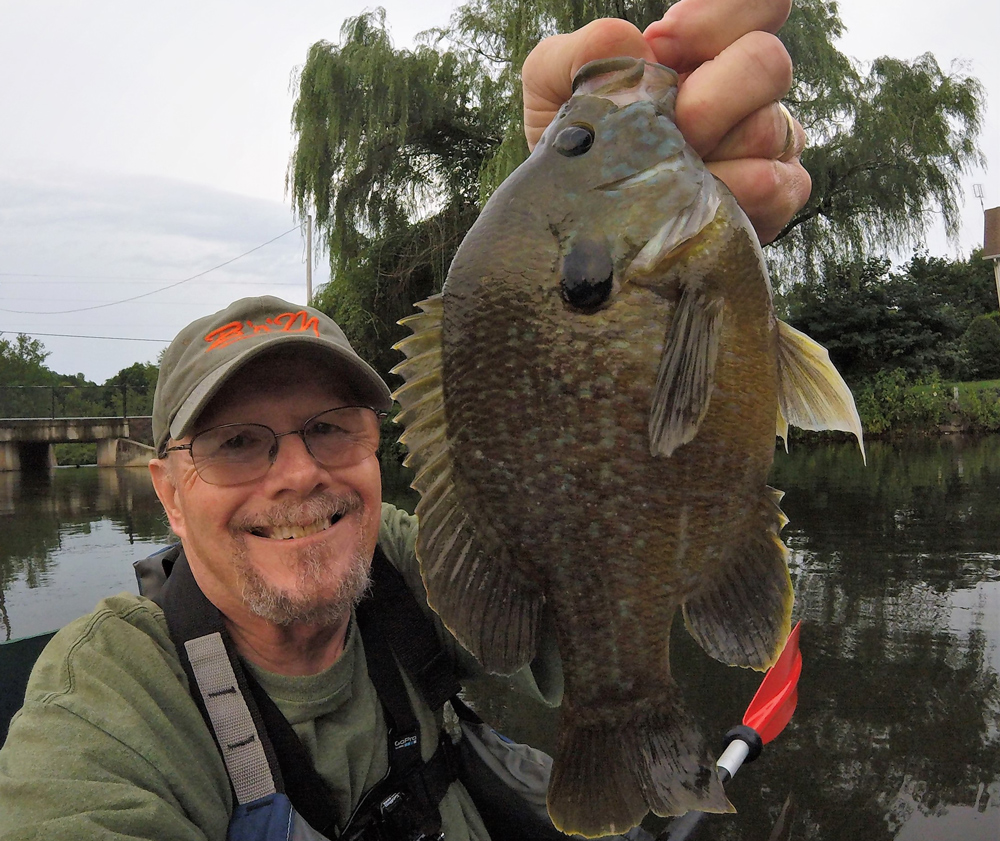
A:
(72, 401)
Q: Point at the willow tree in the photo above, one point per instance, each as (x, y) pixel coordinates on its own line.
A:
(888, 144)
(396, 149)
(390, 143)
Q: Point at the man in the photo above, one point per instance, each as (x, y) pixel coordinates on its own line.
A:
(266, 425)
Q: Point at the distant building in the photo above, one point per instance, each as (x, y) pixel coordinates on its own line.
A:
(991, 242)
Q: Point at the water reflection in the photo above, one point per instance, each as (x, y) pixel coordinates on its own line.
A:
(69, 538)
(897, 578)
(897, 575)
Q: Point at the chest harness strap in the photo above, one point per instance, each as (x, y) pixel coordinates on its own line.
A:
(267, 764)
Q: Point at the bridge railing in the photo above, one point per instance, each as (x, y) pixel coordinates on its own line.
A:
(73, 401)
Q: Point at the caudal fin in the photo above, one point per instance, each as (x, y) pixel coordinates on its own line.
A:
(607, 775)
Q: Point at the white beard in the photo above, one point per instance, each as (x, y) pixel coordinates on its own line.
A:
(309, 607)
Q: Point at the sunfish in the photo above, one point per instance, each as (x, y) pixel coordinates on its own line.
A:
(591, 407)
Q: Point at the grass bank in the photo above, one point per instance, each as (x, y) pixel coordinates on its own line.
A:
(890, 403)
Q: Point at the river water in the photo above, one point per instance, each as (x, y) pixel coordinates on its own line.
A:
(897, 574)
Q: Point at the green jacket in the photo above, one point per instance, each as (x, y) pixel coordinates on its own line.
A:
(110, 744)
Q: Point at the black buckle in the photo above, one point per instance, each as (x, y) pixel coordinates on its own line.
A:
(397, 821)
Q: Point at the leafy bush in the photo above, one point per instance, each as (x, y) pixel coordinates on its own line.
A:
(891, 402)
(76, 453)
(980, 409)
(980, 348)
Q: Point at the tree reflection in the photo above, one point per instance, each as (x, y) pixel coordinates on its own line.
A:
(39, 510)
(899, 696)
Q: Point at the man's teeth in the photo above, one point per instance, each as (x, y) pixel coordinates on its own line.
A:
(290, 532)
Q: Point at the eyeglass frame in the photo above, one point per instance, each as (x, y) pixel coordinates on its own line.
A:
(380, 415)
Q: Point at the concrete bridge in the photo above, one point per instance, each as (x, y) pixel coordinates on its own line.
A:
(26, 443)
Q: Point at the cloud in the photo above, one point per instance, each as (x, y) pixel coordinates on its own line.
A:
(77, 239)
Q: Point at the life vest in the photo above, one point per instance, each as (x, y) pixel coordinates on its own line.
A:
(278, 794)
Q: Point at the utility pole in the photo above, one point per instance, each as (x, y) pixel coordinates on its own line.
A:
(309, 258)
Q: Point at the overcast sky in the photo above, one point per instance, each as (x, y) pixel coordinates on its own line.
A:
(143, 144)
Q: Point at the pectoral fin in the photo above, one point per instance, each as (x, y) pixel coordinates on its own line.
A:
(687, 371)
(811, 392)
(781, 429)
(470, 580)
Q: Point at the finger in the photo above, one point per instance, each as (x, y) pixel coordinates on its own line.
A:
(766, 133)
(548, 71)
(770, 192)
(750, 74)
(695, 31)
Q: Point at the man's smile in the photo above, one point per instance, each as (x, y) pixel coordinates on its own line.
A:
(289, 532)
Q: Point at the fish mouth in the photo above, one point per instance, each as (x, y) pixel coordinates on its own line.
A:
(625, 80)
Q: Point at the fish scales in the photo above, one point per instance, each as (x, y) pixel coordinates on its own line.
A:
(610, 377)
(591, 477)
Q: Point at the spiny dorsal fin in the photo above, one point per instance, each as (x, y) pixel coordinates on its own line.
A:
(470, 581)
(811, 392)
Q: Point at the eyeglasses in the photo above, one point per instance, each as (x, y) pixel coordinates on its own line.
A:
(234, 453)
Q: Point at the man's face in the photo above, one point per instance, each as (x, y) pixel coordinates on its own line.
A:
(294, 545)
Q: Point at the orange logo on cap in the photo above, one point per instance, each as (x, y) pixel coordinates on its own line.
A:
(237, 331)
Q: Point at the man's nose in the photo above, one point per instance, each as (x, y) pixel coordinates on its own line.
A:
(293, 458)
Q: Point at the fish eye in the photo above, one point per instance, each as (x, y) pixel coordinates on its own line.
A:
(574, 140)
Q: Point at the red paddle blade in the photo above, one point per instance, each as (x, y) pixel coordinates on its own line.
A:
(773, 705)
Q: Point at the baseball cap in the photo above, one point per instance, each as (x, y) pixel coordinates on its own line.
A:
(206, 353)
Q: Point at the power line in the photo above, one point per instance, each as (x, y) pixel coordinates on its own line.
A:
(154, 291)
(75, 336)
(71, 279)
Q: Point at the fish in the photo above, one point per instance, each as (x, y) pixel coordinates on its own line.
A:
(591, 407)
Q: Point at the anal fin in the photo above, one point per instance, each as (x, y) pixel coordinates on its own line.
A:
(472, 584)
(742, 615)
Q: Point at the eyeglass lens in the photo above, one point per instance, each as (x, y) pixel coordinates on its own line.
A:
(241, 452)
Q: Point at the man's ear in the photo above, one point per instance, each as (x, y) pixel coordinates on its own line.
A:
(166, 490)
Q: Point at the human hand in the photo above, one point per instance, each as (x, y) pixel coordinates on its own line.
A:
(733, 72)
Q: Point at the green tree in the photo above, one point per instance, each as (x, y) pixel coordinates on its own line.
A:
(22, 361)
(873, 320)
(23, 374)
(888, 144)
(981, 349)
(137, 383)
(967, 287)
(389, 146)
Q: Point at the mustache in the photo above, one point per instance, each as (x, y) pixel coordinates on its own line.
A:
(322, 506)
